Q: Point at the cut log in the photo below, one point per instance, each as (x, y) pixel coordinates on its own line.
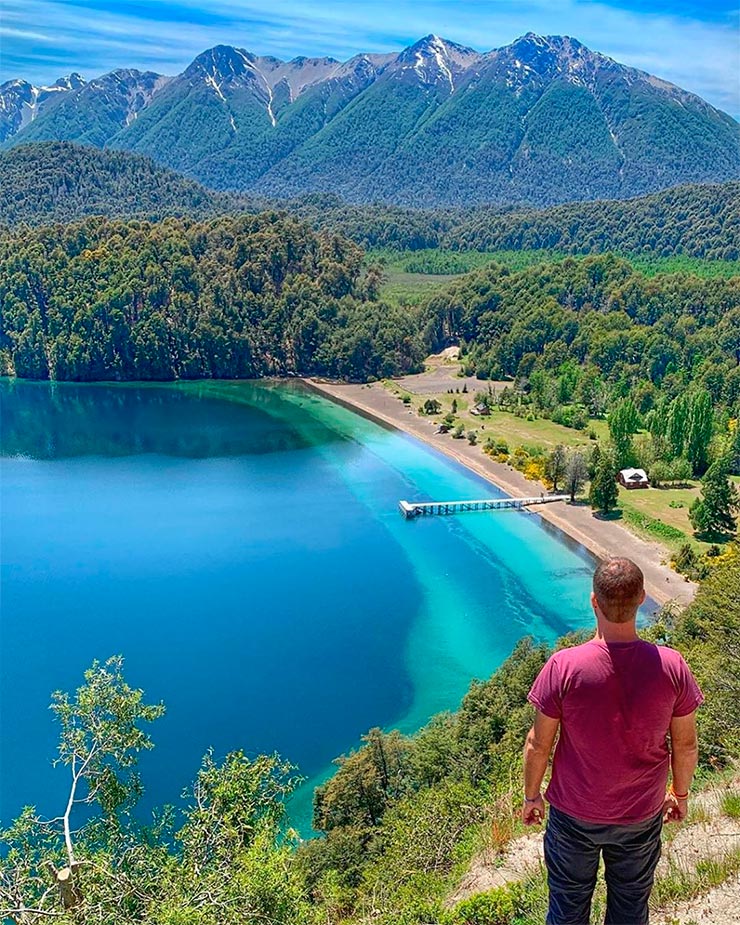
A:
(69, 892)
(68, 889)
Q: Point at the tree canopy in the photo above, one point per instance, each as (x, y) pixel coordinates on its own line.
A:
(237, 297)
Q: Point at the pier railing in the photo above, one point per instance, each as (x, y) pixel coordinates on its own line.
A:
(411, 509)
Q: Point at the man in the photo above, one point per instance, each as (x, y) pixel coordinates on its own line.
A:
(614, 700)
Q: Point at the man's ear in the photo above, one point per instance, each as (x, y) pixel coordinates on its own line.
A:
(644, 595)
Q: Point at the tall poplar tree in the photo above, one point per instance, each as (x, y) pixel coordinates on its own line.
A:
(623, 423)
(699, 425)
(677, 424)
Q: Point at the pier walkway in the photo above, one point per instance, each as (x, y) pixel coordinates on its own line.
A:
(411, 509)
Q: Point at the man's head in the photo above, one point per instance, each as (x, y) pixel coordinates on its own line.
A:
(619, 589)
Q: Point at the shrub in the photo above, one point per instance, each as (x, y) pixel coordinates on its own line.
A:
(502, 906)
(534, 469)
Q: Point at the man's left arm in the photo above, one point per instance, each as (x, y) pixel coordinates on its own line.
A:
(684, 758)
(537, 751)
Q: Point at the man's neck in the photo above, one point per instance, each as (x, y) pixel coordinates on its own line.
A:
(616, 632)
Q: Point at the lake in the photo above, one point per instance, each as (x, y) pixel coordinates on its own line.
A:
(240, 545)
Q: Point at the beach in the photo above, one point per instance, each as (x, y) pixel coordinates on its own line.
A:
(603, 538)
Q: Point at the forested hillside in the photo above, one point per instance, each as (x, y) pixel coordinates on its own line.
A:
(59, 182)
(400, 820)
(594, 330)
(230, 298)
(50, 182)
(696, 220)
(701, 220)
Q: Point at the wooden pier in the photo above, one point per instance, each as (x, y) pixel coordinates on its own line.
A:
(411, 509)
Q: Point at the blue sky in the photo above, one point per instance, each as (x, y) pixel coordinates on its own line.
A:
(693, 43)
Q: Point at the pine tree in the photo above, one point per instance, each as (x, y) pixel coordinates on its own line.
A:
(593, 462)
(604, 492)
(735, 445)
(714, 513)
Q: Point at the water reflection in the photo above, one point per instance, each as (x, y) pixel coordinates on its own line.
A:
(42, 420)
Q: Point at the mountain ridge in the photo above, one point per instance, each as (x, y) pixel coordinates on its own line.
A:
(536, 122)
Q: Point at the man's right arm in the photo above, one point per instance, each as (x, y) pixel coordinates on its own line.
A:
(684, 757)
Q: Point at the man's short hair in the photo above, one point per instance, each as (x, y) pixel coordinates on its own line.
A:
(619, 586)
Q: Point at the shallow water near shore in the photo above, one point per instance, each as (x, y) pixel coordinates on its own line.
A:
(240, 545)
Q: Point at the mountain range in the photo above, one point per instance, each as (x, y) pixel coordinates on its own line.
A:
(541, 121)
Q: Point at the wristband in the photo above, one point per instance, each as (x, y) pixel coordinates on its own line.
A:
(533, 800)
(678, 796)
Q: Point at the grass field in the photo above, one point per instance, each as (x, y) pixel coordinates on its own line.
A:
(503, 425)
(413, 275)
(401, 288)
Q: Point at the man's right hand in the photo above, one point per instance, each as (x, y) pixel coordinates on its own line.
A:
(674, 810)
(533, 813)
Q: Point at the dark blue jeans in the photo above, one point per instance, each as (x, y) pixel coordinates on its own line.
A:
(572, 849)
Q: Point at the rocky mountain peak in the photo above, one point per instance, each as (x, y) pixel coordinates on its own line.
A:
(221, 63)
(434, 60)
(71, 81)
(532, 52)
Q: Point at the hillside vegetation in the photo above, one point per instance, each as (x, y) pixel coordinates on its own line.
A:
(699, 220)
(400, 820)
(598, 317)
(52, 182)
(41, 184)
(229, 298)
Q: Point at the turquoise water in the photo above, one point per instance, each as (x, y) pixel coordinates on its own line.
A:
(240, 545)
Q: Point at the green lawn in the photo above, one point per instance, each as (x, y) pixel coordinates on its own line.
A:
(401, 288)
(413, 275)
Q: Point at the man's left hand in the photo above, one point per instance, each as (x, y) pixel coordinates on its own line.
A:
(533, 813)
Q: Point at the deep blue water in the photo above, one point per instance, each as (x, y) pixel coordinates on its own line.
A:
(240, 545)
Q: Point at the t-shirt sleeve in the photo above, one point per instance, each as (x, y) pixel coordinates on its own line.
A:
(689, 695)
(546, 693)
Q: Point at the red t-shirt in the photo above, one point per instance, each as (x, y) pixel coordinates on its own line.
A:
(615, 702)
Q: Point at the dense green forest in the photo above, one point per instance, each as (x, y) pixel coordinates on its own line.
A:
(229, 298)
(608, 329)
(399, 821)
(59, 182)
(578, 339)
(696, 220)
(50, 182)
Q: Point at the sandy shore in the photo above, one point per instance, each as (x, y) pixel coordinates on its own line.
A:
(602, 537)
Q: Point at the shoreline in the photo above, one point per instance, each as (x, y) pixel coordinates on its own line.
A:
(602, 538)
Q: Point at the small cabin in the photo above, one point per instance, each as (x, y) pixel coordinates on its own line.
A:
(633, 478)
(480, 409)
